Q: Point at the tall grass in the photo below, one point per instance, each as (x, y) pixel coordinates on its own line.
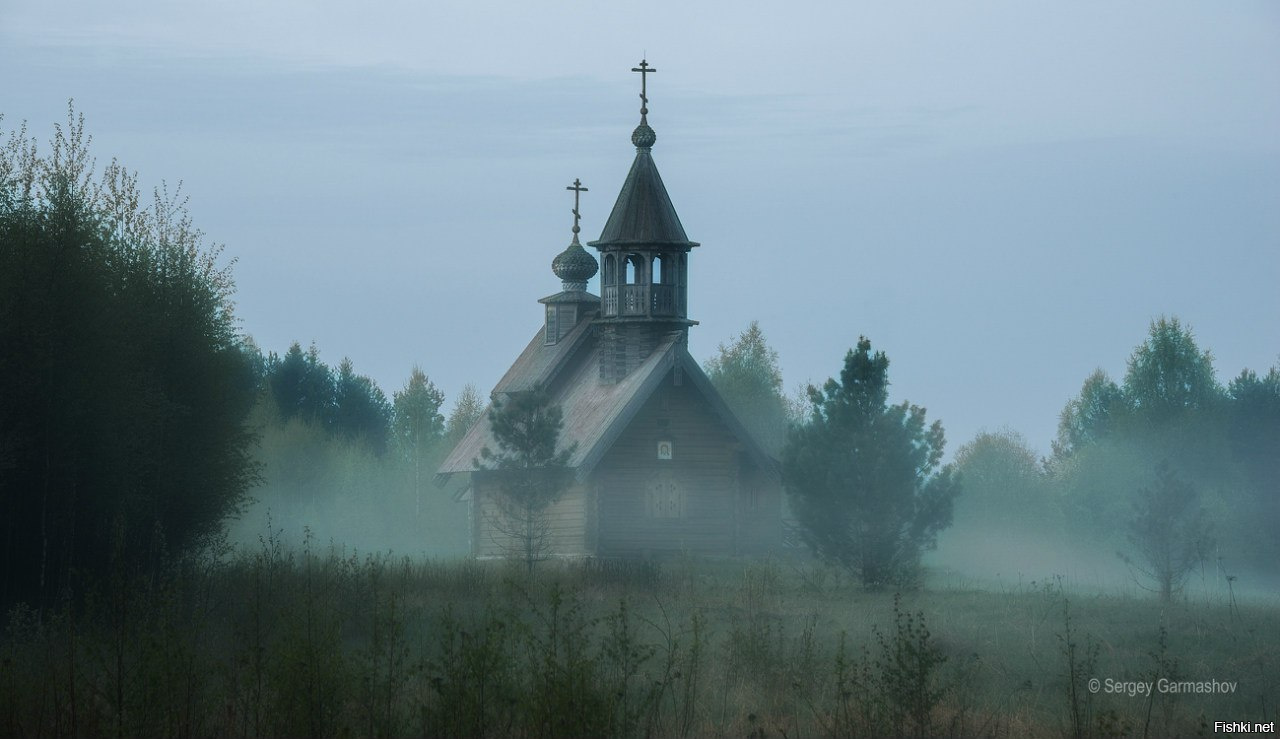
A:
(323, 642)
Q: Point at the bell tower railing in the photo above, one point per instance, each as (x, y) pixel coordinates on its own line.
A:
(640, 300)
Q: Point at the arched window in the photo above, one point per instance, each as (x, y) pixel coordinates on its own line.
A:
(663, 270)
(634, 269)
(610, 276)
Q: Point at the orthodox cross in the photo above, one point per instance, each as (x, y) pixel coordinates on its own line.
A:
(644, 69)
(578, 189)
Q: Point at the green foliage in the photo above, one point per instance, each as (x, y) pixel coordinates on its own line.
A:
(466, 411)
(418, 427)
(347, 404)
(1172, 410)
(339, 459)
(281, 642)
(865, 478)
(360, 410)
(526, 427)
(746, 374)
(1091, 416)
(1253, 432)
(528, 471)
(1004, 484)
(1169, 376)
(123, 387)
(418, 431)
(898, 691)
(1169, 382)
(301, 385)
(907, 683)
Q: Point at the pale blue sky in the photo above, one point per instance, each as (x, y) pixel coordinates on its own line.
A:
(1000, 195)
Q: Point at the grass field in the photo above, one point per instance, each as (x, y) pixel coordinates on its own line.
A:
(327, 643)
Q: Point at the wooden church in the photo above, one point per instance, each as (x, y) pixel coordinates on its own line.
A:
(660, 465)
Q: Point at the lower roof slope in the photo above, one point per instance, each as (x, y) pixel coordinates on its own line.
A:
(594, 413)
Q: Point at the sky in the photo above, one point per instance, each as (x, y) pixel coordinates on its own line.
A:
(1000, 195)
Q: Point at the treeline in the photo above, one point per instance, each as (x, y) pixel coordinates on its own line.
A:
(1166, 467)
(338, 459)
(1169, 468)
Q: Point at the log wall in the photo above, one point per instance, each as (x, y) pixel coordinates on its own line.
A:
(709, 498)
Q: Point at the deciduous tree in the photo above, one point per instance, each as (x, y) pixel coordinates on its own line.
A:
(746, 374)
(1005, 485)
(1168, 532)
(123, 387)
(1169, 375)
(1090, 416)
(466, 411)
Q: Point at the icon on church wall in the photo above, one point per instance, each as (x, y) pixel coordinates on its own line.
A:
(664, 450)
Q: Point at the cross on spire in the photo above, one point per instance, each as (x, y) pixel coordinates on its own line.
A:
(578, 189)
(644, 69)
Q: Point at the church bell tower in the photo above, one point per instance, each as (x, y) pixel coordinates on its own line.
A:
(644, 258)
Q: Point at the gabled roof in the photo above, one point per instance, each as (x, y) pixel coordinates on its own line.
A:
(643, 213)
(540, 362)
(594, 413)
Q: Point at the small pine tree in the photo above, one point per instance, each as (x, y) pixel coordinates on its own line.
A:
(865, 478)
(529, 472)
(417, 427)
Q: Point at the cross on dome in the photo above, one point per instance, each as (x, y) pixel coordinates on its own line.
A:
(645, 70)
(644, 137)
(578, 189)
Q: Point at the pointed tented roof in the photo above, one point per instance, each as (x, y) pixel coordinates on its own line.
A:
(643, 214)
(595, 414)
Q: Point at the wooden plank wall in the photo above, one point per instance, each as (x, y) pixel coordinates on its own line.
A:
(566, 522)
(717, 514)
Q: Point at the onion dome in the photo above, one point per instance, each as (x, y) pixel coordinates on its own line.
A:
(574, 266)
(643, 137)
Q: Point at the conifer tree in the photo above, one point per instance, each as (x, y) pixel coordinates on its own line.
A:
(865, 478)
(528, 470)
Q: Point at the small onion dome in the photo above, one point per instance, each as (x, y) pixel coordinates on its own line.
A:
(643, 137)
(574, 265)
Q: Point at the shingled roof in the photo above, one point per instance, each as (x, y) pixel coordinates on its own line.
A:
(594, 413)
(643, 213)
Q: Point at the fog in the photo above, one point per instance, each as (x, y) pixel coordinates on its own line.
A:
(1018, 559)
(1058, 222)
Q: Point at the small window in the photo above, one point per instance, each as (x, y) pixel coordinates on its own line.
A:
(664, 449)
(610, 276)
(553, 328)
